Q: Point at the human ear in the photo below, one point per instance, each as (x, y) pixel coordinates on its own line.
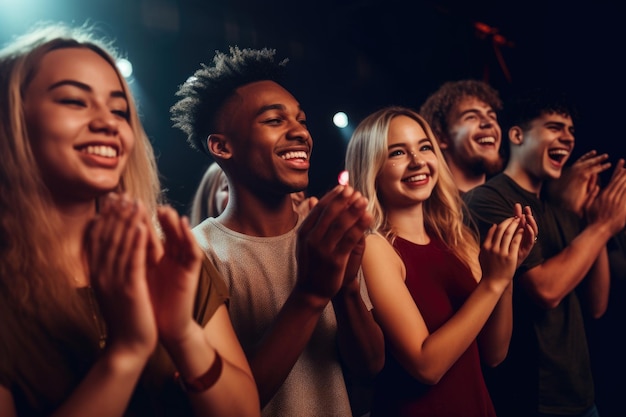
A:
(516, 135)
(218, 145)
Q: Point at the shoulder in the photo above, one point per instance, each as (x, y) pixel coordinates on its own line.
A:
(376, 243)
(380, 253)
(212, 292)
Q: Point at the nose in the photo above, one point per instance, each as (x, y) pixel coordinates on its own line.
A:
(416, 160)
(567, 137)
(485, 122)
(298, 131)
(104, 121)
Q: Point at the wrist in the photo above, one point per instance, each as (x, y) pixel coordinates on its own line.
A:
(203, 382)
(314, 301)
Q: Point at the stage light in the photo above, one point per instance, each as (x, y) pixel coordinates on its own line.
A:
(340, 119)
(125, 67)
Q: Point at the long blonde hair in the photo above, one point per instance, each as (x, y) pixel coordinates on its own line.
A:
(34, 272)
(443, 211)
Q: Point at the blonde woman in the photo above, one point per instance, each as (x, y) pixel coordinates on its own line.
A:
(87, 287)
(442, 303)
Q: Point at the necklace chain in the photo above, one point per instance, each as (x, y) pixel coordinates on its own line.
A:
(93, 306)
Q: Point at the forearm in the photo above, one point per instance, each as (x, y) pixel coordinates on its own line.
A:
(597, 285)
(554, 279)
(233, 392)
(495, 337)
(442, 348)
(275, 355)
(108, 386)
(360, 339)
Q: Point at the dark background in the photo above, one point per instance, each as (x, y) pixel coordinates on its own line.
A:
(360, 55)
(356, 56)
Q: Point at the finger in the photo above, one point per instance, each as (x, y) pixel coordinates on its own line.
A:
(338, 215)
(508, 231)
(530, 220)
(137, 242)
(168, 219)
(155, 244)
(488, 241)
(319, 206)
(130, 226)
(618, 169)
(586, 156)
(593, 161)
(191, 244)
(347, 226)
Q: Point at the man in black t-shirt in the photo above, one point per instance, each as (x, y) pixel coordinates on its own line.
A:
(547, 371)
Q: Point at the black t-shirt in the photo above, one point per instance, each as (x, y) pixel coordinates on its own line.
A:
(547, 368)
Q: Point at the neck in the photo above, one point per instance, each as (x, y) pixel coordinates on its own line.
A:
(463, 179)
(408, 223)
(74, 218)
(252, 215)
(523, 178)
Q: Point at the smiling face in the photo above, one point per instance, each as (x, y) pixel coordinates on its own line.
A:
(473, 138)
(270, 143)
(545, 146)
(411, 170)
(77, 117)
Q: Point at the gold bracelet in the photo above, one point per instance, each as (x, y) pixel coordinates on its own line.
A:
(204, 381)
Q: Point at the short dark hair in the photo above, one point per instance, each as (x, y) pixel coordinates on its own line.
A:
(439, 104)
(203, 94)
(530, 103)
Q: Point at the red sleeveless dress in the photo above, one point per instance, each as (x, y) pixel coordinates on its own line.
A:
(439, 284)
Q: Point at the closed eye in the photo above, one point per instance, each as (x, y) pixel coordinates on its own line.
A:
(274, 121)
(122, 113)
(73, 101)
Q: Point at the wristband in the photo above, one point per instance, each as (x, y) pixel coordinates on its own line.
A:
(204, 381)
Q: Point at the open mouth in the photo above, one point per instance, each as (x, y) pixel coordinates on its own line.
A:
(558, 155)
(487, 140)
(415, 178)
(301, 155)
(104, 151)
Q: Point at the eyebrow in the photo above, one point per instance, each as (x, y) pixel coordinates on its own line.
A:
(404, 145)
(275, 107)
(84, 87)
(475, 110)
(560, 125)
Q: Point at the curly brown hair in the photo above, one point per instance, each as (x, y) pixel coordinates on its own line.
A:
(439, 104)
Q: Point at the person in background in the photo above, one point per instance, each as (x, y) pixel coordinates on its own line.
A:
(211, 195)
(463, 117)
(96, 299)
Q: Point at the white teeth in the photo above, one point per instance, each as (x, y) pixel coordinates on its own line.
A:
(488, 139)
(295, 155)
(558, 152)
(416, 178)
(101, 150)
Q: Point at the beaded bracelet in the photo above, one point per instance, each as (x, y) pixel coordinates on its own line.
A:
(204, 381)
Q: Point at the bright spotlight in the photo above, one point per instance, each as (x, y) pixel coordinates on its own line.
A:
(340, 119)
(125, 67)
